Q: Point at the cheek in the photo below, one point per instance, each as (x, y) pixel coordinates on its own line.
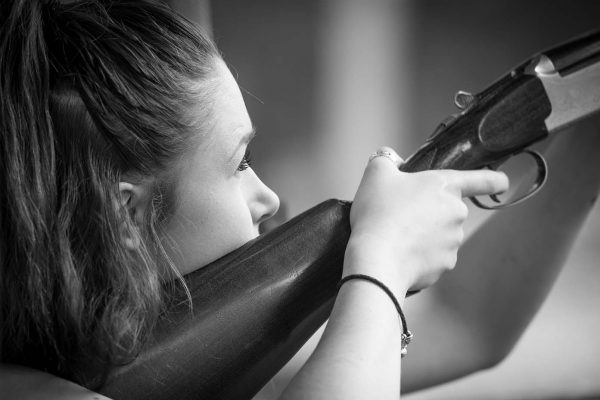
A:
(226, 219)
(206, 226)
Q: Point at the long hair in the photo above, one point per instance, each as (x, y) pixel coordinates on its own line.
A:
(89, 91)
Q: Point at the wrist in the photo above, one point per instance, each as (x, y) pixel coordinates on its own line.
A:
(361, 258)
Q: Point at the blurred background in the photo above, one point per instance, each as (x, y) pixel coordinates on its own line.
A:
(326, 82)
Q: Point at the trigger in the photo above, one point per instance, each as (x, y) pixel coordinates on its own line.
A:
(494, 167)
(542, 176)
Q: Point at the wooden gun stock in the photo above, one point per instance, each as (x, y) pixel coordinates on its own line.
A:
(252, 310)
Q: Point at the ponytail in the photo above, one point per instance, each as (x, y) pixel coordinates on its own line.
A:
(27, 176)
(89, 91)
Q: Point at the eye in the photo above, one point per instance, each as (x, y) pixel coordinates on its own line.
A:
(246, 161)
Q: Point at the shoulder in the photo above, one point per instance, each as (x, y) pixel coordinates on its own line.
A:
(23, 383)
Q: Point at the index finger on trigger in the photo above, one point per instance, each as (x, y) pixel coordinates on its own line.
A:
(479, 182)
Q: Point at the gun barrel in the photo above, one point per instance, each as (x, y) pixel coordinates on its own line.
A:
(570, 74)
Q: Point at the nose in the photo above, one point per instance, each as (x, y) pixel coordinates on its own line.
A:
(262, 201)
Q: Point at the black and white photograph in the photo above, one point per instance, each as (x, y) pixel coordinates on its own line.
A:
(309, 199)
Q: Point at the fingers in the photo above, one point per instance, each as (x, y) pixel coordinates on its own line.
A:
(467, 183)
(477, 182)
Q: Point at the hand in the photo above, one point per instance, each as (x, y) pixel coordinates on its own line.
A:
(407, 227)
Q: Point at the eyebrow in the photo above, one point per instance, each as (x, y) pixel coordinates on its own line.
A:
(245, 139)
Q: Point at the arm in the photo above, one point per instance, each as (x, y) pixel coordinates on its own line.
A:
(21, 383)
(406, 229)
(475, 315)
(358, 356)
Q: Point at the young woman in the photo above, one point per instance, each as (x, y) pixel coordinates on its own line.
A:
(123, 166)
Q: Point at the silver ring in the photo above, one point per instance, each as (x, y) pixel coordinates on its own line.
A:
(389, 155)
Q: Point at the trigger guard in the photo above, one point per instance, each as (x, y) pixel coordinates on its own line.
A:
(542, 177)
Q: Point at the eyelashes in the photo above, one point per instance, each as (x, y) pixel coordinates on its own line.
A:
(246, 161)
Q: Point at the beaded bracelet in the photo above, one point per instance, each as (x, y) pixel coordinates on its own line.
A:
(406, 334)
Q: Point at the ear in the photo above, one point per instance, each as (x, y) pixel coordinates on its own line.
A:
(135, 199)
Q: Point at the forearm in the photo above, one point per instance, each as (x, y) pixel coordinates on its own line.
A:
(358, 356)
(20, 383)
(506, 268)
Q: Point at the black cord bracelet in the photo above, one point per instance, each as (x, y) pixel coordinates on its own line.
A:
(406, 334)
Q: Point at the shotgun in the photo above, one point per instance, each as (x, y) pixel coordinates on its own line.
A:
(255, 307)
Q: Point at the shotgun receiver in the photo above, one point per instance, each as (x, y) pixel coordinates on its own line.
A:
(255, 307)
(544, 95)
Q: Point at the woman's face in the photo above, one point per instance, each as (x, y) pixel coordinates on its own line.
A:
(219, 200)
